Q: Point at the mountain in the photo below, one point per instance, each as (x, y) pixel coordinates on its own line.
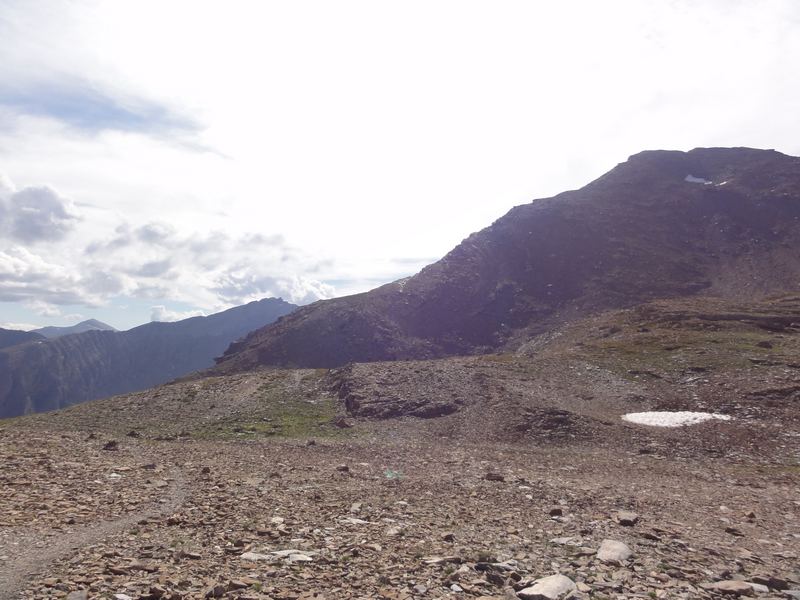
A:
(93, 364)
(723, 222)
(12, 337)
(88, 325)
(561, 452)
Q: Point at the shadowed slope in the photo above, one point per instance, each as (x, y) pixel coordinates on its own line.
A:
(74, 368)
(12, 337)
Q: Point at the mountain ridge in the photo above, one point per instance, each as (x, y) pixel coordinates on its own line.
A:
(641, 231)
(51, 374)
(52, 332)
(12, 337)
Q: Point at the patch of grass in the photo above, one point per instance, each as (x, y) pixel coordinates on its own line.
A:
(279, 414)
(506, 357)
(670, 350)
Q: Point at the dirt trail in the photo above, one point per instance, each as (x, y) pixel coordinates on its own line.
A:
(36, 552)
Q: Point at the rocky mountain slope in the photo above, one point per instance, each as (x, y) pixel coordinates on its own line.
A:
(12, 337)
(573, 384)
(466, 477)
(664, 224)
(508, 475)
(88, 325)
(45, 375)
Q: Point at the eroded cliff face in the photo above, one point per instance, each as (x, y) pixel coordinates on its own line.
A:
(718, 221)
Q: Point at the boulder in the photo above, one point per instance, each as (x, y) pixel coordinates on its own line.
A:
(548, 588)
(614, 552)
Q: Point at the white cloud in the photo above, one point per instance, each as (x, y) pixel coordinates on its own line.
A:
(162, 313)
(18, 326)
(6, 186)
(26, 276)
(35, 214)
(361, 132)
(43, 309)
(210, 270)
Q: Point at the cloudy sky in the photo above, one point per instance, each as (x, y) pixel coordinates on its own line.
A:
(168, 158)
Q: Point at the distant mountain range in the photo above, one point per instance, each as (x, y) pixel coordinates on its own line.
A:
(88, 325)
(38, 374)
(12, 337)
(723, 222)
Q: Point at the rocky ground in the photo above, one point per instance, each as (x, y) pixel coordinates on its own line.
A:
(393, 519)
(460, 478)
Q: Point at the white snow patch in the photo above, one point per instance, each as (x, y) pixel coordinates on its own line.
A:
(672, 418)
(693, 179)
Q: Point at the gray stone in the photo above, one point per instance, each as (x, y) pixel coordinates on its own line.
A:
(776, 583)
(293, 555)
(627, 518)
(299, 557)
(548, 588)
(733, 587)
(79, 595)
(562, 541)
(614, 552)
(255, 556)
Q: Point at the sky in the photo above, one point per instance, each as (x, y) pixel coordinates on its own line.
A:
(160, 160)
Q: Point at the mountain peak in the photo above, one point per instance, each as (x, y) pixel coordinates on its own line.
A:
(87, 325)
(97, 324)
(664, 224)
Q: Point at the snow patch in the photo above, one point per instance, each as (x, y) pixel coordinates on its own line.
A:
(672, 418)
(693, 179)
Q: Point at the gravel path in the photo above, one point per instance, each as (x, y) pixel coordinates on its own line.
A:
(33, 552)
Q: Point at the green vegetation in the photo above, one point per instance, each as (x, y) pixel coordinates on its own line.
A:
(664, 351)
(505, 357)
(279, 414)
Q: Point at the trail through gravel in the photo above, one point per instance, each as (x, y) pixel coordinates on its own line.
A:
(33, 552)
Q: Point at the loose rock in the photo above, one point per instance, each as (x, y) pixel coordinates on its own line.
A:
(548, 588)
(614, 552)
